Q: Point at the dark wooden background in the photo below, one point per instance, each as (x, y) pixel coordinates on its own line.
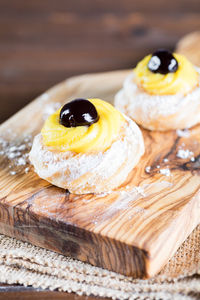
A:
(42, 42)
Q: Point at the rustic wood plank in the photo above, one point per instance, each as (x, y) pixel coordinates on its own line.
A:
(130, 231)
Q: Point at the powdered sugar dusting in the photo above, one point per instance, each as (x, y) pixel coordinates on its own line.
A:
(165, 172)
(125, 198)
(183, 133)
(16, 152)
(148, 169)
(162, 168)
(184, 154)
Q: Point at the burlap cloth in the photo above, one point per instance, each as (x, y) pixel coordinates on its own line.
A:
(26, 264)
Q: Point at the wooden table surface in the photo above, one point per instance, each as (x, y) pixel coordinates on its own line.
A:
(44, 42)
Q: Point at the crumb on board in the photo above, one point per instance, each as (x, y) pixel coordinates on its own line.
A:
(184, 154)
(165, 171)
(183, 133)
(148, 169)
(16, 152)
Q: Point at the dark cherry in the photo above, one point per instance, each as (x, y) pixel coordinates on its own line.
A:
(78, 112)
(163, 62)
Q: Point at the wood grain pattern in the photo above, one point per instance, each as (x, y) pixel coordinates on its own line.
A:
(133, 231)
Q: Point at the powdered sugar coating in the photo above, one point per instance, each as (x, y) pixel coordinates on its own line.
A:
(157, 112)
(165, 171)
(184, 154)
(15, 152)
(94, 172)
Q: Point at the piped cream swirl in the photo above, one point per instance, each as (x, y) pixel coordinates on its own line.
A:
(183, 81)
(94, 138)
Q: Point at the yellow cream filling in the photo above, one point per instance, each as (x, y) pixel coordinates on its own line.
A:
(182, 81)
(94, 138)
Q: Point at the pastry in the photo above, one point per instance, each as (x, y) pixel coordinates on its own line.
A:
(87, 146)
(162, 92)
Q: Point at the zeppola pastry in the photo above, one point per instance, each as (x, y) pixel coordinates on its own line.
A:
(87, 146)
(162, 92)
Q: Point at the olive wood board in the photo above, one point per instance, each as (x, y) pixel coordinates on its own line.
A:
(135, 229)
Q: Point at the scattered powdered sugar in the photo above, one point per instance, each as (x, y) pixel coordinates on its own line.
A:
(137, 210)
(158, 185)
(165, 172)
(102, 195)
(12, 155)
(50, 108)
(27, 170)
(128, 189)
(140, 191)
(183, 133)
(126, 200)
(184, 154)
(132, 190)
(148, 169)
(16, 152)
(12, 173)
(123, 202)
(21, 161)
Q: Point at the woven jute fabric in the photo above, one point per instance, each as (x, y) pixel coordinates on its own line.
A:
(26, 264)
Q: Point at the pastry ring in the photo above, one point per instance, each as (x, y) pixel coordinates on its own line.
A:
(87, 147)
(162, 92)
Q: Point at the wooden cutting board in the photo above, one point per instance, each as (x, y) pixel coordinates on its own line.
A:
(135, 229)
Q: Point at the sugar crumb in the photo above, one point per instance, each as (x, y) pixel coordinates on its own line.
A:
(12, 149)
(184, 154)
(140, 191)
(13, 173)
(183, 133)
(27, 170)
(22, 147)
(165, 172)
(13, 155)
(21, 161)
(17, 153)
(148, 169)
